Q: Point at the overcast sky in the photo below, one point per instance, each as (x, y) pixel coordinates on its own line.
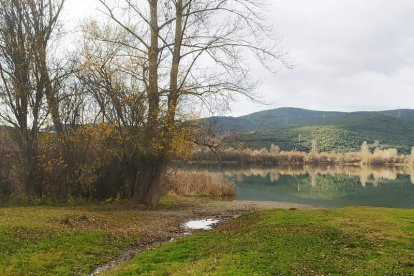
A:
(349, 54)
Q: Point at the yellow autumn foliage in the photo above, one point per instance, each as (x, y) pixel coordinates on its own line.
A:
(69, 163)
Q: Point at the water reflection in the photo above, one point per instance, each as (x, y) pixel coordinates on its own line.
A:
(372, 175)
(328, 186)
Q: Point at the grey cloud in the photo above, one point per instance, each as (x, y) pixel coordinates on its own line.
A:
(351, 55)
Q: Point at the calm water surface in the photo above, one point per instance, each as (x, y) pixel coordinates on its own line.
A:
(326, 187)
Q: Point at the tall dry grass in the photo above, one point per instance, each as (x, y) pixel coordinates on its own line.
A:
(275, 156)
(388, 156)
(199, 184)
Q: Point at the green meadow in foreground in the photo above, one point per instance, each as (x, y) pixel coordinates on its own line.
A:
(358, 241)
(73, 240)
(58, 241)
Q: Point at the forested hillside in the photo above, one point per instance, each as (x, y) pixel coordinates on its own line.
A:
(291, 128)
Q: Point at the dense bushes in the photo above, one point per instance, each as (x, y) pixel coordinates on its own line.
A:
(88, 161)
(70, 165)
(94, 161)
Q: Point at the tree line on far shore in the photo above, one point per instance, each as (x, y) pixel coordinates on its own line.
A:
(367, 155)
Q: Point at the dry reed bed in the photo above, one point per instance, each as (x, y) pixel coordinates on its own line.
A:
(199, 184)
(274, 155)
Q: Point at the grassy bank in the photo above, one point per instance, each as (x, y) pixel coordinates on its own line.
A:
(358, 241)
(75, 240)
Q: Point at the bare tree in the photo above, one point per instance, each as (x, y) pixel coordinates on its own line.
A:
(21, 104)
(26, 27)
(41, 17)
(189, 52)
(107, 72)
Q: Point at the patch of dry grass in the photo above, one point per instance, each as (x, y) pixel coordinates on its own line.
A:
(199, 184)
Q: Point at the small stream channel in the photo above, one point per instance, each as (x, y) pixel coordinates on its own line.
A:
(188, 228)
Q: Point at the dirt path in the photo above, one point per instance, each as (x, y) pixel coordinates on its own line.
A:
(167, 224)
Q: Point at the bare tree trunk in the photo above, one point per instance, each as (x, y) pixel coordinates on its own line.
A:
(173, 94)
(149, 182)
(46, 84)
(153, 95)
(148, 185)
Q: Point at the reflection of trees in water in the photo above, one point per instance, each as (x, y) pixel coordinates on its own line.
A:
(274, 176)
(312, 178)
(328, 186)
(366, 174)
(411, 173)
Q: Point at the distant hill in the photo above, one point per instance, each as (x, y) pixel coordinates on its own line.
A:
(270, 119)
(293, 128)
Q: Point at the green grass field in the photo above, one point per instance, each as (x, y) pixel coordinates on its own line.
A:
(355, 241)
(75, 240)
(60, 241)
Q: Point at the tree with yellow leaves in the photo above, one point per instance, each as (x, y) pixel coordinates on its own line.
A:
(174, 56)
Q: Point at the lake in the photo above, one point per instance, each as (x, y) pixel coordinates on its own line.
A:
(326, 187)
